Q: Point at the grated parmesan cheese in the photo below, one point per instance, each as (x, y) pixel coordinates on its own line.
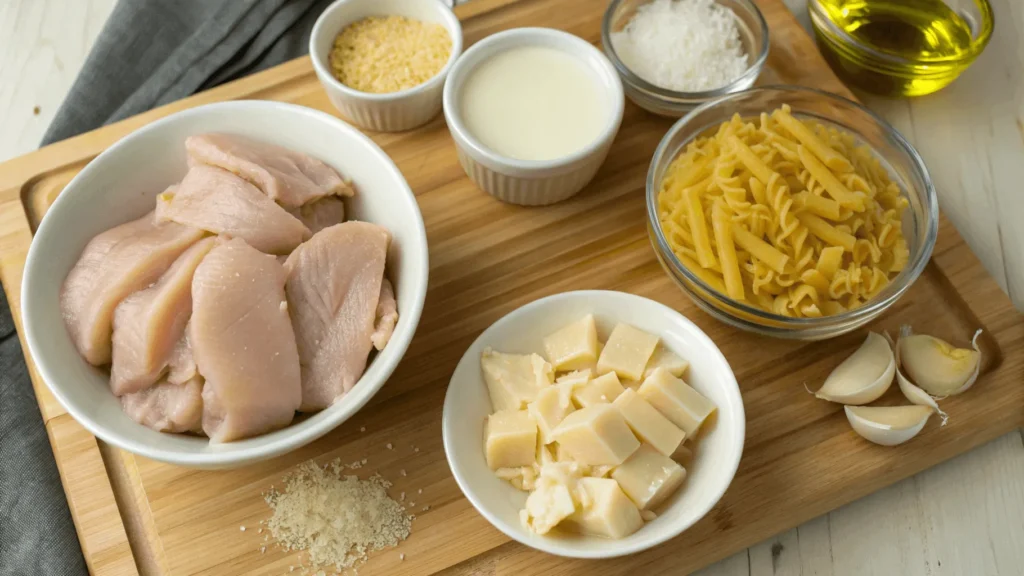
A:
(337, 520)
(382, 54)
(682, 45)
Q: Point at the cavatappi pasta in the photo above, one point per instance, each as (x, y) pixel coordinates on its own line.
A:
(784, 214)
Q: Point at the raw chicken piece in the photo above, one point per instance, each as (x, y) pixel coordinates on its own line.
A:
(289, 177)
(167, 407)
(243, 343)
(149, 323)
(334, 282)
(114, 264)
(321, 213)
(386, 316)
(216, 200)
(181, 366)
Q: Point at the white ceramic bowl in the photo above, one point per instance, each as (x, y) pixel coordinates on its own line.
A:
(467, 405)
(532, 182)
(121, 184)
(395, 111)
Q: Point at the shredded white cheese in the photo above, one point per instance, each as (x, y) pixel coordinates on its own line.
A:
(682, 45)
(336, 519)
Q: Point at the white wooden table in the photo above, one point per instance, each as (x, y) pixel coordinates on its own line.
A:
(964, 517)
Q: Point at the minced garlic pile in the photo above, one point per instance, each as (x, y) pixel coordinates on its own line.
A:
(387, 54)
(337, 520)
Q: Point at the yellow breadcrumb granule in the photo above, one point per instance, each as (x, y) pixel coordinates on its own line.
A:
(383, 54)
(336, 519)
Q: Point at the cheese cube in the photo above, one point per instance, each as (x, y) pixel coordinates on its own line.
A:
(513, 380)
(553, 403)
(665, 358)
(511, 439)
(549, 503)
(605, 510)
(596, 435)
(567, 473)
(575, 378)
(649, 477)
(683, 455)
(574, 346)
(626, 352)
(599, 471)
(592, 366)
(560, 454)
(523, 477)
(557, 487)
(545, 453)
(647, 423)
(680, 403)
(601, 390)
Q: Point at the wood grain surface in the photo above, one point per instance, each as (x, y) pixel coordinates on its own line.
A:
(488, 258)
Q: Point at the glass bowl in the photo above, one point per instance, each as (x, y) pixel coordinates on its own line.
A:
(905, 166)
(874, 69)
(753, 35)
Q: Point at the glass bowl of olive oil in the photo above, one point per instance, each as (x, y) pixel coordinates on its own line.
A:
(901, 47)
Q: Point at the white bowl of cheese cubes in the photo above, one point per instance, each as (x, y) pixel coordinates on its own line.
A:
(593, 424)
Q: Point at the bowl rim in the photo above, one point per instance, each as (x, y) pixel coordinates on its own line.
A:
(302, 433)
(451, 24)
(753, 68)
(557, 546)
(843, 42)
(786, 324)
(527, 36)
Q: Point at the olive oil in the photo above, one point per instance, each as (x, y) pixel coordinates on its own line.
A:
(901, 47)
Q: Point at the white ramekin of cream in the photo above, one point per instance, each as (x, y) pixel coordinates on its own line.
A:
(533, 112)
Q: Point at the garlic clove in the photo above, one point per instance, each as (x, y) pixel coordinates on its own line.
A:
(919, 397)
(936, 366)
(864, 376)
(912, 392)
(888, 425)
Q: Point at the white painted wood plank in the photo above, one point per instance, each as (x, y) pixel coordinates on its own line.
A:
(973, 510)
(802, 551)
(880, 534)
(43, 43)
(779, 556)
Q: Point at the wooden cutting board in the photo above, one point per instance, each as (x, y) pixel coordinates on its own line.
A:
(134, 515)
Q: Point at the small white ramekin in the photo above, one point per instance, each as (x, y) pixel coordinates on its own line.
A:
(395, 111)
(531, 182)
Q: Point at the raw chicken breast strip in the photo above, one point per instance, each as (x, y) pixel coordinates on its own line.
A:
(334, 282)
(386, 316)
(321, 213)
(289, 177)
(220, 202)
(149, 323)
(243, 343)
(114, 264)
(181, 366)
(168, 407)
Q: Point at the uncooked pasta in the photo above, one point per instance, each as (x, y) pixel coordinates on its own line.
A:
(787, 215)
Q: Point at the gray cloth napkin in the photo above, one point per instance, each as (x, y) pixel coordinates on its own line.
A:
(150, 52)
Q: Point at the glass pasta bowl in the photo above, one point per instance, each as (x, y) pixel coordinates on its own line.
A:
(812, 220)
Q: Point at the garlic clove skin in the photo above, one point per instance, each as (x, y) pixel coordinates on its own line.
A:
(918, 396)
(936, 366)
(888, 425)
(864, 376)
(912, 392)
